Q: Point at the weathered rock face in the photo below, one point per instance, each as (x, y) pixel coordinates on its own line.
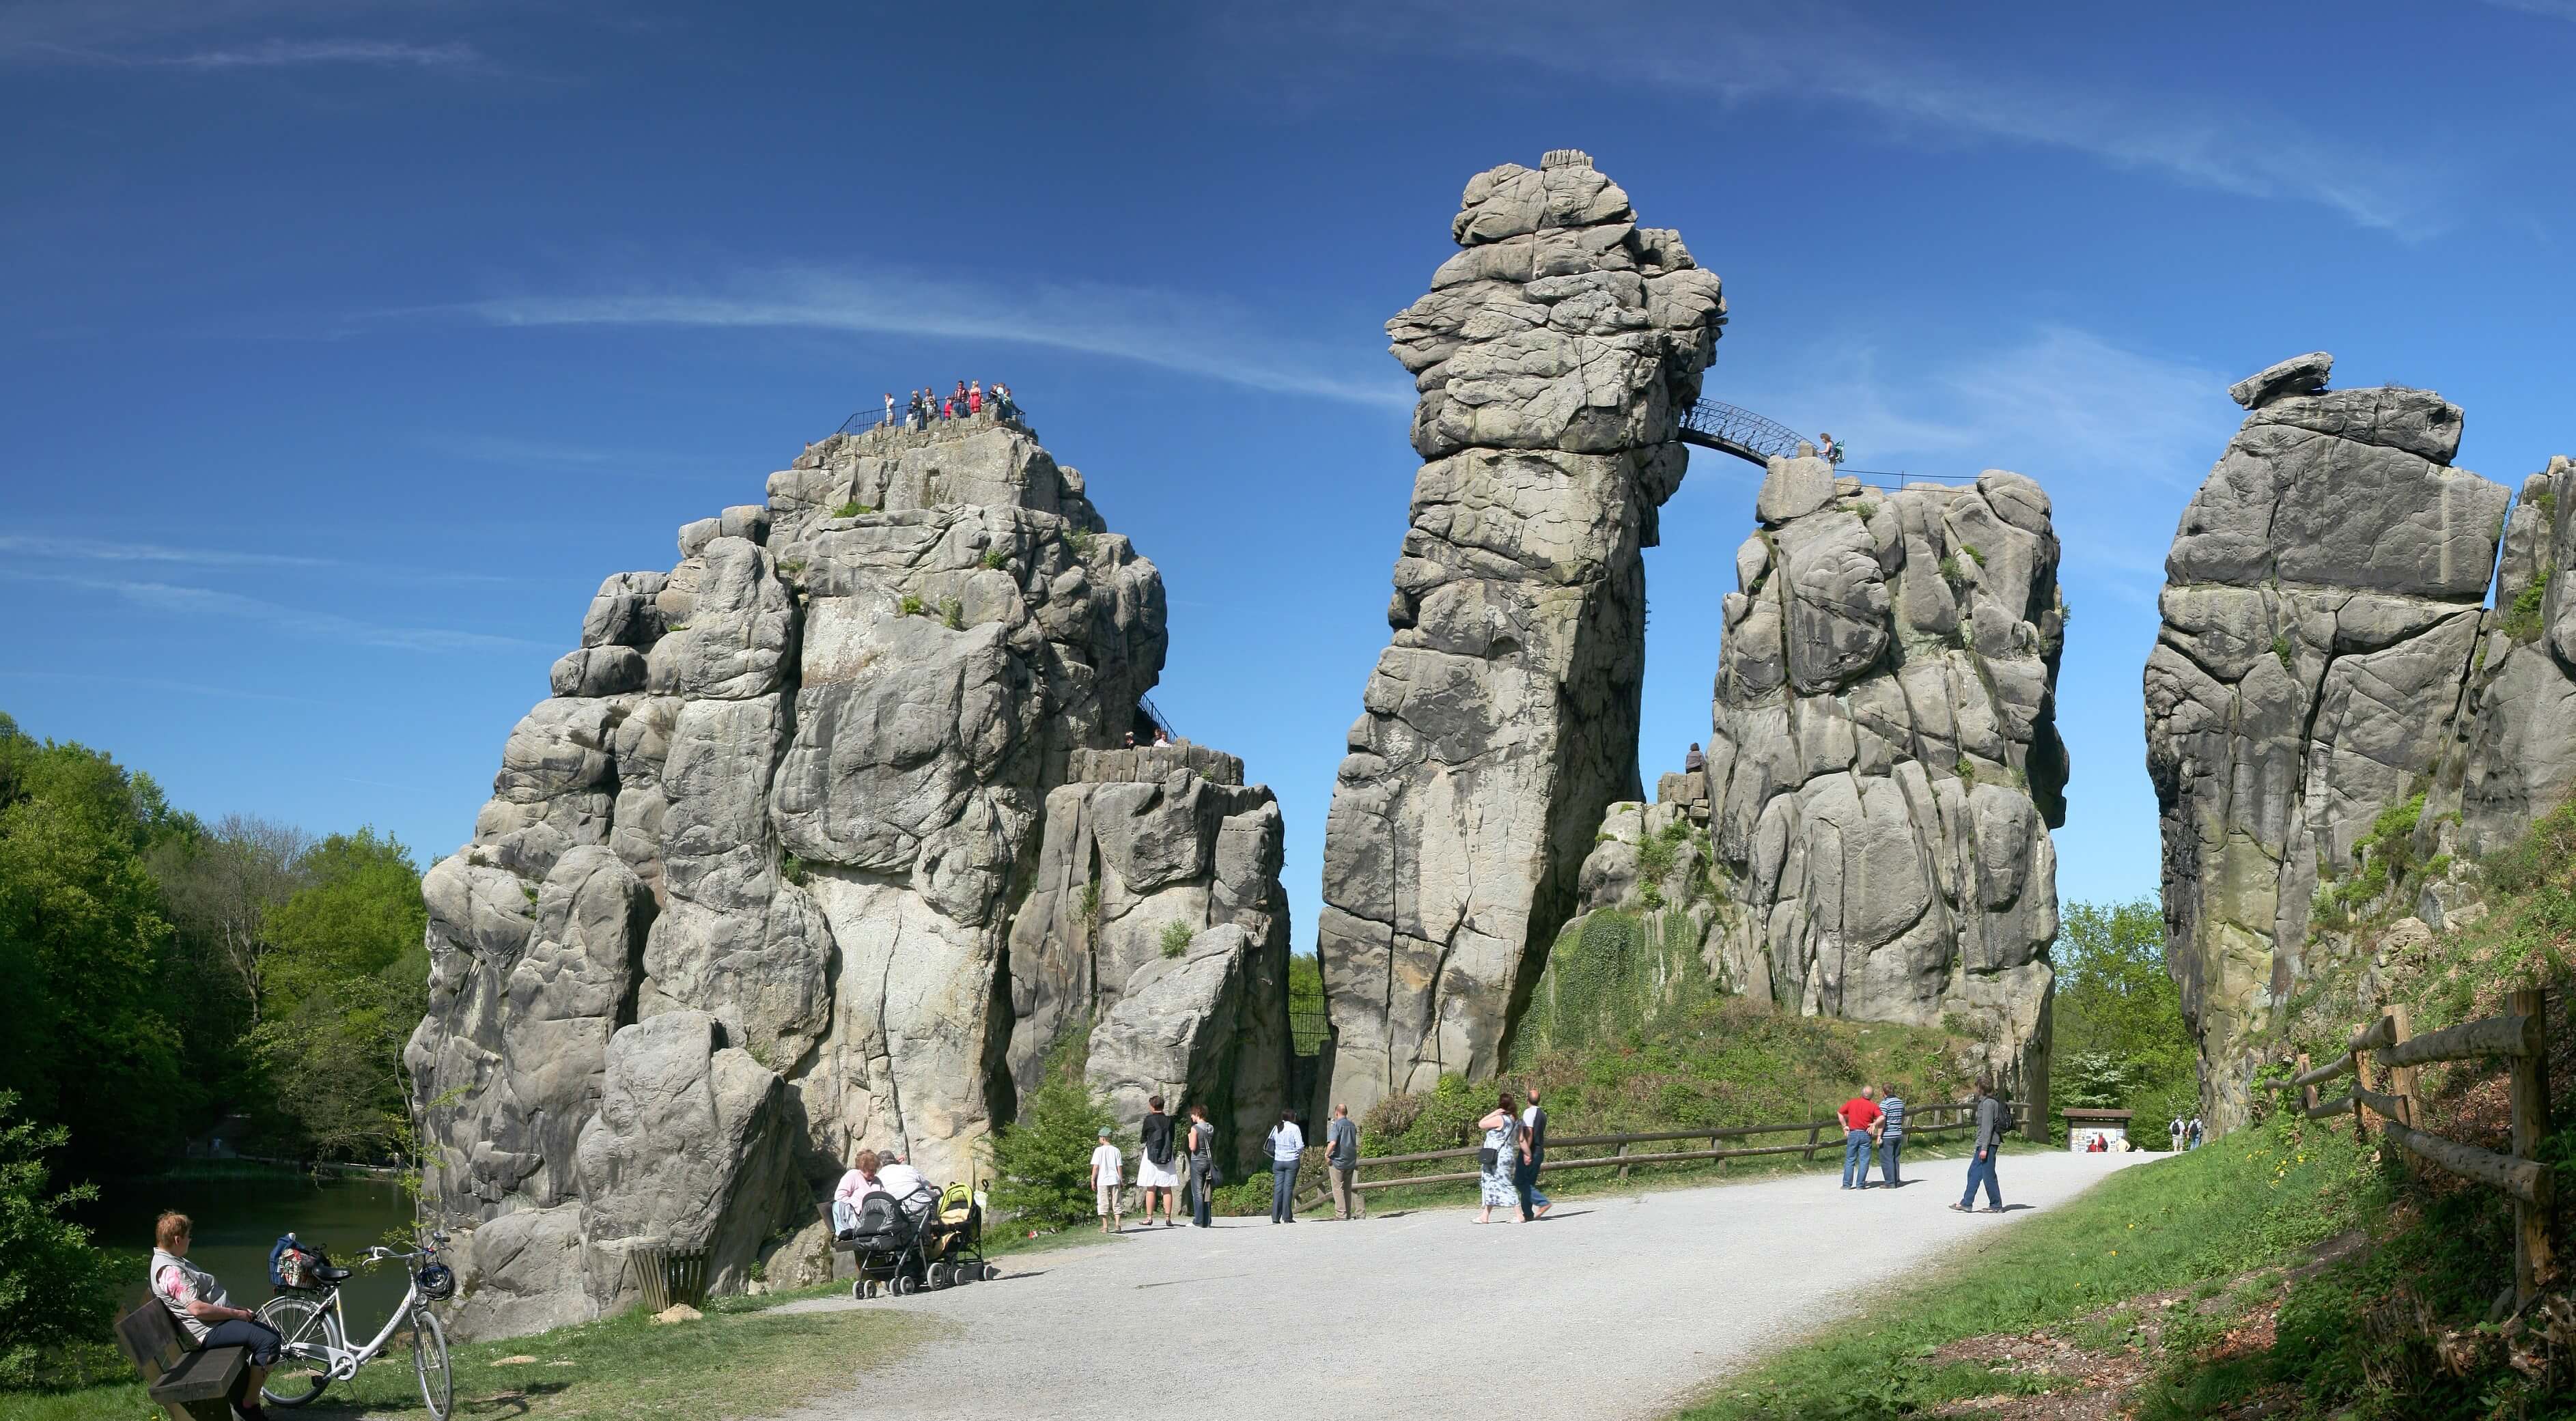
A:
(1644, 942)
(1884, 766)
(2322, 614)
(1158, 919)
(1555, 355)
(742, 900)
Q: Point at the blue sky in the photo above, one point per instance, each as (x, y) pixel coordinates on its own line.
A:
(349, 345)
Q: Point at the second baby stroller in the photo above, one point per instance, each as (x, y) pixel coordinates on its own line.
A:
(952, 1239)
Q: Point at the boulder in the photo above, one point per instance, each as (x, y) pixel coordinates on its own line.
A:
(2298, 375)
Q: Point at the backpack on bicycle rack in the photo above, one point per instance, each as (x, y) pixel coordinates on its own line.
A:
(293, 1264)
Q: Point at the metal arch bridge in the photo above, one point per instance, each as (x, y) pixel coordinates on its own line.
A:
(1732, 429)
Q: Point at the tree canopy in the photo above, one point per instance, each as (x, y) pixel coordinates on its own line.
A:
(2119, 1041)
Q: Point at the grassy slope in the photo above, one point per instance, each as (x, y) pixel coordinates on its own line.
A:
(2260, 1197)
(740, 1360)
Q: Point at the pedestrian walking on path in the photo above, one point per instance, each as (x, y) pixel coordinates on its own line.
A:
(1342, 1164)
(1534, 1204)
(1498, 1160)
(1287, 1148)
(1990, 1139)
(1202, 1166)
(1155, 1164)
(1105, 1183)
(1859, 1116)
(1891, 1135)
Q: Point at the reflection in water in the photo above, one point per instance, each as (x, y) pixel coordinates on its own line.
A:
(239, 1211)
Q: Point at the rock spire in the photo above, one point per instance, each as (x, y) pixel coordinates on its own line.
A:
(1555, 355)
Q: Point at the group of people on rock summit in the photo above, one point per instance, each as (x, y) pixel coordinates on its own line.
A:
(967, 400)
(1874, 1126)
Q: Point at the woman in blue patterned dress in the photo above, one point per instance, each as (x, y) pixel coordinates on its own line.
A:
(1494, 1162)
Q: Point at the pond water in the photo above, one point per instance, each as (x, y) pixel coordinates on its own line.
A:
(239, 1211)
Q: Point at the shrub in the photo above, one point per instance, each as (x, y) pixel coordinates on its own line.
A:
(1079, 539)
(953, 613)
(1176, 938)
(57, 1290)
(1042, 1162)
(1949, 568)
(852, 509)
(910, 606)
(2281, 649)
(1973, 555)
(1655, 858)
(2522, 619)
(997, 558)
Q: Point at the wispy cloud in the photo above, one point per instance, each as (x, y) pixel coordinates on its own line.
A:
(208, 603)
(160, 683)
(1193, 334)
(35, 547)
(2554, 9)
(217, 35)
(1830, 61)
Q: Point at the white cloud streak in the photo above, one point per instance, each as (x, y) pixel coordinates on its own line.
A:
(282, 54)
(219, 35)
(207, 603)
(33, 547)
(1833, 62)
(1189, 334)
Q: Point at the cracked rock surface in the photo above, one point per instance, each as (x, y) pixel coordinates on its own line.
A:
(1555, 355)
(743, 899)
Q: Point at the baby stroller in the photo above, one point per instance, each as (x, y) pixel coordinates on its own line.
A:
(952, 1239)
(886, 1243)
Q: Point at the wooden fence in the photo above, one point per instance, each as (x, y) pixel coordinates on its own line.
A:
(2522, 1036)
(1618, 1146)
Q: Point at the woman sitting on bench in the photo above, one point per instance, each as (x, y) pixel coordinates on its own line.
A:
(204, 1311)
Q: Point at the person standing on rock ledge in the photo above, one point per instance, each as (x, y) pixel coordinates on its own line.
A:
(1693, 761)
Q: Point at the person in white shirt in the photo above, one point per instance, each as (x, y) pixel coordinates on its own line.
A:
(1287, 1148)
(1105, 1166)
(907, 1186)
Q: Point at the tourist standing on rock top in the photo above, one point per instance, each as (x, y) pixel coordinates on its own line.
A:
(1533, 1155)
(889, 407)
(1891, 1135)
(1828, 450)
(205, 1312)
(975, 397)
(1155, 1158)
(1004, 407)
(1287, 1147)
(1989, 1140)
(960, 398)
(1342, 1164)
(1860, 1116)
(1162, 738)
(1693, 761)
(1202, 1166)
(1496, 1161)
(1106, 1182)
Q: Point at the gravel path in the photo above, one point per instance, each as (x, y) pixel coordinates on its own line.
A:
(1616, 1306)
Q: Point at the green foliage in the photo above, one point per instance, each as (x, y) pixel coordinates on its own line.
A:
(952, 613)
(792, 869)
(1176, 938)
(1655, 857)
(997, 558)
(908, 606)
(349, 982)
(1087, 906)
(2281, 648)
(1042, 1161)
(2119, 1039)
(1950, 570)
(1306, 1022)
(1974, 556)
(2387, 854)
(1080, 541)
(57, 1291)
(852, 509)
(2522, 621)
(89, 1024)
(792, 566)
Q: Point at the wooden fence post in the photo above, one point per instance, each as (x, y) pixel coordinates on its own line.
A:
(2365, 1073)
(2531, 1260)
(2401, 1079)
(1814, 1135)
(1621, 1153)
(2307, 1093)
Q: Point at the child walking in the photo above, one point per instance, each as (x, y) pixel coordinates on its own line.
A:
(1105, 1165)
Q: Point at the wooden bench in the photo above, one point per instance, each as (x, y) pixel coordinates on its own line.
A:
(187, 1383)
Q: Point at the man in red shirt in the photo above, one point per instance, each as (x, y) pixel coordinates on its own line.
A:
(1860, 1116)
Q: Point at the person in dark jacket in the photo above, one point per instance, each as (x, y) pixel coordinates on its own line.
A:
(1156, 1165)
(1990, 1140)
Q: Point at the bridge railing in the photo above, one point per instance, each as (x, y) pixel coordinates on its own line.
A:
(1739, 430)
(861, 421)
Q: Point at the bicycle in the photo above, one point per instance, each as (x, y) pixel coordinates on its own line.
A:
(312, 1323)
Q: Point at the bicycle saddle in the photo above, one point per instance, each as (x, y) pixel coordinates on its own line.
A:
(331, 1275)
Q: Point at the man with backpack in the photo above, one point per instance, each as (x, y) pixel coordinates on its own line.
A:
(1991, 1123)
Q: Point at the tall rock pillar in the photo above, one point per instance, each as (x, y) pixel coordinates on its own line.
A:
(1556, 355)
(2322, 608)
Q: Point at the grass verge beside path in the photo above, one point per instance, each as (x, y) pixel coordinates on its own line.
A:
(2258, 1199)
(739, 1360)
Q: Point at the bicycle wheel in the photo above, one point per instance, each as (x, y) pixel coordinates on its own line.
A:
(310, 1327)
(429, 1362)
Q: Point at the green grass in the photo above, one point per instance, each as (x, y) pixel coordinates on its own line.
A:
(2260, 1197)
(740, 1360)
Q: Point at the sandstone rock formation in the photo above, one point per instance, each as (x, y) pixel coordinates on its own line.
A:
(2322, 617)
(1555, 355)
(1642, 944)
(743, 898)
(1884, 766)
